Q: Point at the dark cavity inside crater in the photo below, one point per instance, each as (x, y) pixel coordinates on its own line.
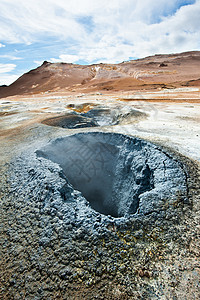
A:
(117, 174)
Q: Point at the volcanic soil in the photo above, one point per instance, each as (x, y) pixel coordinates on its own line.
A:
(54, 243)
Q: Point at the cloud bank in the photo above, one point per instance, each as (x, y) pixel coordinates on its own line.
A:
(5, 68)
(85, 31)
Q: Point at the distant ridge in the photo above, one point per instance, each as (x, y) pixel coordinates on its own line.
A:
(152, 72)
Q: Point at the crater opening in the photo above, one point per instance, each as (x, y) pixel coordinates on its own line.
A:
(99, 116)
(117, 174)
(70, 121)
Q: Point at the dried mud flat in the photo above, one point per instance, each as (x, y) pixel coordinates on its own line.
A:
(55, 246)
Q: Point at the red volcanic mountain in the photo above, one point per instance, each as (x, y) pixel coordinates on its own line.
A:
(172, 70)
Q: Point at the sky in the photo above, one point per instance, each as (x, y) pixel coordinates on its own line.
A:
(92, 31)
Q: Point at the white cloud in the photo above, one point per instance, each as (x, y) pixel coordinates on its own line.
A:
(8, 79)
(10, 57)
(116, 30)
(66, 58)
(6, 68)
(1, 45)
(5, 77)
(38, 62)
(176, 33)
(29, 21)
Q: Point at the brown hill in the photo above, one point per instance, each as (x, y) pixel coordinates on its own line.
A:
(147, 73)
(193, 83)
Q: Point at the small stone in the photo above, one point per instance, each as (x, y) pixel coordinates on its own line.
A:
(144, 273)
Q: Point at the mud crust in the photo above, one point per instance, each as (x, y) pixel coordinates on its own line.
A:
(46, 256)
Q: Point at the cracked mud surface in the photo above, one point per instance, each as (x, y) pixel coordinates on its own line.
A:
(55, 246)
(43, 256)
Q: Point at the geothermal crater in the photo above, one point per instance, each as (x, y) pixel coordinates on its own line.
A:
(96, 117)
(118, 175)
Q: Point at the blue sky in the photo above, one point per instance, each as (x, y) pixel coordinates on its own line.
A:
(86, 32)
